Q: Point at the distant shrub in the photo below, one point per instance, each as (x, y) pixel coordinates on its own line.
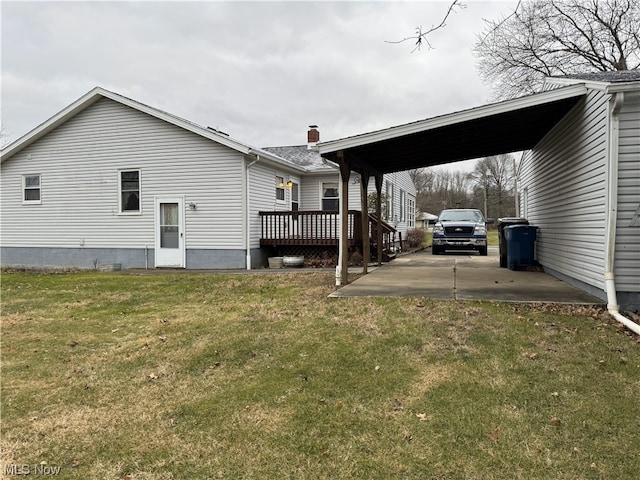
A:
(416, 237)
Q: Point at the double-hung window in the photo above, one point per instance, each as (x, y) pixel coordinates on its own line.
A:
(295, 196)
(31, 189)
(330, 199)
(129, 191)
(279, 189)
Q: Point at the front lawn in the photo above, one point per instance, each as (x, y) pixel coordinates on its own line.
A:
(261, 376)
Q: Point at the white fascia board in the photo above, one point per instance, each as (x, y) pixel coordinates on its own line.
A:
(453, 118)
(608, 87)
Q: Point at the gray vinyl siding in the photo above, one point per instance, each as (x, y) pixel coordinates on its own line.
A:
(627, 261)
(565, 178)
(79, 163)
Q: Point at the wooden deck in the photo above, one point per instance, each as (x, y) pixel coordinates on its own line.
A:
(320, 228)
(307, 227)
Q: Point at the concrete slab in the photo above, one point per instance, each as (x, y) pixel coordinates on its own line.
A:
(461, 276)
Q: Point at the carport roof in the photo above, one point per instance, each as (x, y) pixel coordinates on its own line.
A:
(504, 127)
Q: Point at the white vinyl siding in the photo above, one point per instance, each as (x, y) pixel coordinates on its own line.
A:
(564, 177)
(627, 261)
(80, 161)
(262, 198)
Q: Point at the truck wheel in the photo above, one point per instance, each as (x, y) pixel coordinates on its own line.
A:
(483, 251)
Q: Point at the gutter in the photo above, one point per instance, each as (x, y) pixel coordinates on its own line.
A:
(612, 201)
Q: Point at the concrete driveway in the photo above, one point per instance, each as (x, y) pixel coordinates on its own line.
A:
(462, 276)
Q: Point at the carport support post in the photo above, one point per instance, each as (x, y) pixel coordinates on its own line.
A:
(364, 207)
(379, 179)
(343, 251)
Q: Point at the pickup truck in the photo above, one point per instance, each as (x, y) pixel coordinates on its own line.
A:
(460, 229)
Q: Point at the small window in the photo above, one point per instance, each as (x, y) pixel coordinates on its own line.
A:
(280, 189)
(403, 200)
(295, 197)
(31, 189)
(129, 186)
(330, 199)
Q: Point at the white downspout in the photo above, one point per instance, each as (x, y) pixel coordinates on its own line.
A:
(247, 184)
(612, 207)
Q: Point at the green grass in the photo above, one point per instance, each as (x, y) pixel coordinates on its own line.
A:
(171, 376)
(492, 237)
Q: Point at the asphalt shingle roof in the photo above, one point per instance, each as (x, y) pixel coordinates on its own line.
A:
(619, 76)
(300, 155)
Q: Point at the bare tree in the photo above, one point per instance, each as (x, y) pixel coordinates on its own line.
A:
(423, 179)
(421, 36)
(493, 178)
(557, 37)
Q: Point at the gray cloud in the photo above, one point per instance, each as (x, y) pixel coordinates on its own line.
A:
(260, 71)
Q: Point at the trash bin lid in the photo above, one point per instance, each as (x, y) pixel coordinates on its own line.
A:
(513, 220)
(520, 227)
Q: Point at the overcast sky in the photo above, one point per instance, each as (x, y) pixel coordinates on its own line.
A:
(259, 71)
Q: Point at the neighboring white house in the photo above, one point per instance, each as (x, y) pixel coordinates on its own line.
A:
(581, 186)
(110, 180)
(426, 220)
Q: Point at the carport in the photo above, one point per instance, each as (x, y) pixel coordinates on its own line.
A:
(493, 129)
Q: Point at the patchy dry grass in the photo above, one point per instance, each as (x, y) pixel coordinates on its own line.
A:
(171, 376)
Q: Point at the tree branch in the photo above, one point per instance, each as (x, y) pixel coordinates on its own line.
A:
(421, 37)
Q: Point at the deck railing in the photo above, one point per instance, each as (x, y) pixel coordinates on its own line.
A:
(320, 227)
(308, 227)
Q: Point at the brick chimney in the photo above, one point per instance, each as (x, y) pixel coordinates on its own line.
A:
(313, 136)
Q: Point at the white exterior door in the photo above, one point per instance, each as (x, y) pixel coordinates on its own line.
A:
(169, 225)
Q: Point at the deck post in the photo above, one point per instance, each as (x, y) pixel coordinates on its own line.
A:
(364, 207)
(379, 179)
(343, 252)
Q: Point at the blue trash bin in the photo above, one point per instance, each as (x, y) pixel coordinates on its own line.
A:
(521, 245)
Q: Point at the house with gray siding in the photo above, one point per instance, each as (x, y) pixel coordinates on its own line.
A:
(109, 180)
(581, 186)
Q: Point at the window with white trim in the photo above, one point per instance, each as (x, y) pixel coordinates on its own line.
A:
(330, 199)
(403, 200)
(389, 200)
(411, 213)
(295, 196)
(129, 191)
(31, 189)
(279, 189)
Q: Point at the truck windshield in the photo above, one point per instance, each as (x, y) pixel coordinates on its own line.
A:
(461, 216)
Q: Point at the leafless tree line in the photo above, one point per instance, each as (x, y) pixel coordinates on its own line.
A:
(489, 188)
